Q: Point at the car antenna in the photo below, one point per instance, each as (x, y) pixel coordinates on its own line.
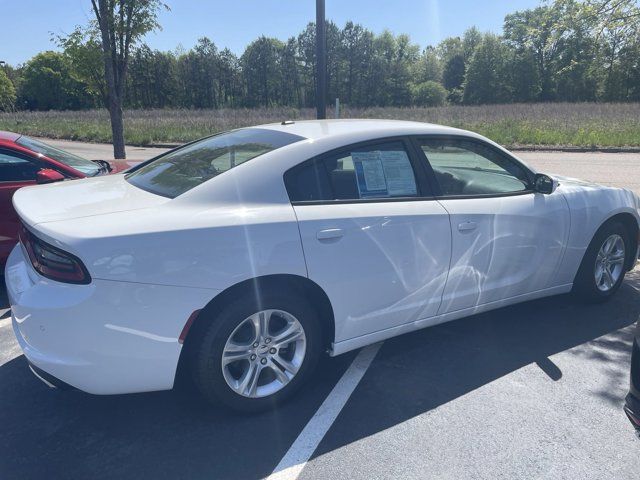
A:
(287, 122)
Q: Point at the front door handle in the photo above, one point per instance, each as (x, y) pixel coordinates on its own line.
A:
(467, 226)
(330, 234)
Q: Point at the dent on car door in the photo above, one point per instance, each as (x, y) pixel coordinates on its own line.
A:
(16, 171)
(507, 240)
(377, 247)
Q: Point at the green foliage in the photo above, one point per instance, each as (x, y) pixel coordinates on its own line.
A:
(7, 92)
(429, 94)
(454, 71)
(261, 63)
(84, 52)
(48, 83)
(562, 50)
(488, 73)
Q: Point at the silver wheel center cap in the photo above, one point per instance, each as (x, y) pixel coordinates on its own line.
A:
(263, 350)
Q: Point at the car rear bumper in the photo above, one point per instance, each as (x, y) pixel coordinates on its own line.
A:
(107, 337)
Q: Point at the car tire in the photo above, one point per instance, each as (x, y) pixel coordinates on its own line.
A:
(232, 328)
(588, 285)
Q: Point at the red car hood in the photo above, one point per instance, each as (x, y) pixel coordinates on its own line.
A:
(118, 166)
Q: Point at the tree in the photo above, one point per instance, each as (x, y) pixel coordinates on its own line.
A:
(83, 50)
(48, 83)
(357, 52)
(453, 73)
(7, 92)
(429, 94)
(261, 67)
(429, 66)
(487, 79)
(122, 23)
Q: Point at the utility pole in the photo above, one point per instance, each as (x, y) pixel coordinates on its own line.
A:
(321, 61)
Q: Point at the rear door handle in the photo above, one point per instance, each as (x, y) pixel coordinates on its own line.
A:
(330, 234)
(467, 226)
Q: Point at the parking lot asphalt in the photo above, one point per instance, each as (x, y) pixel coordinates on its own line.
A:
(528, 391)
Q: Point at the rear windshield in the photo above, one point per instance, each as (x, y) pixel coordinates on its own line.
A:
(187, 167)
(81, 164)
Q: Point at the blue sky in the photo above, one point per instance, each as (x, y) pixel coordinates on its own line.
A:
(27, 24)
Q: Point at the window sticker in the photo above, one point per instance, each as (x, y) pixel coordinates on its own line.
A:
(370, 174)
(384, 174)
(399, 174)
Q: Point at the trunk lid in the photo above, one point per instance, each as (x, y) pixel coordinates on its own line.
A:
(81, 198)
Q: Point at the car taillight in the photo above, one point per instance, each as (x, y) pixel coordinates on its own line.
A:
(53, 263)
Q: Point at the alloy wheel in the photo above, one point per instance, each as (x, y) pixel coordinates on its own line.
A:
(264, 353)
(609, 263)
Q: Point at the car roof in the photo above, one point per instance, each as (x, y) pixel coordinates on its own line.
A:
(316, 129)
(9, 136)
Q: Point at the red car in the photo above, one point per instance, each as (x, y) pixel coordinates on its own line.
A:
(26, 161)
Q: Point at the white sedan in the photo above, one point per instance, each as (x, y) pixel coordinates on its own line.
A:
(242, 257)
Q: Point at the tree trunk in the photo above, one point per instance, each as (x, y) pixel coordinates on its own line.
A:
(117, 127)
(114, 91)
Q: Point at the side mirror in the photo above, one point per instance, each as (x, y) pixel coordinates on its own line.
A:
(545, 184)
(48, 175)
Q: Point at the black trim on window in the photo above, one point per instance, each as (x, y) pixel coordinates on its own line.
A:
(423, 185)
(415, 140)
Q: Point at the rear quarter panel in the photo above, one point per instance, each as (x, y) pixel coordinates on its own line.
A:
(214, 247)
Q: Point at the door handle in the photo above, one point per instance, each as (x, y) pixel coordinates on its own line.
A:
(467, 226)
(330, 234)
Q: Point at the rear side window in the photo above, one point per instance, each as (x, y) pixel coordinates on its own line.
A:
(185, 168)
(15, 168)
(377, 171)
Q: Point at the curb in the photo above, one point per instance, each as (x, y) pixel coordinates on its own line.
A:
(570, 149)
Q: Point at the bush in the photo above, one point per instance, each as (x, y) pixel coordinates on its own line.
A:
(429, 94)
(7, 93)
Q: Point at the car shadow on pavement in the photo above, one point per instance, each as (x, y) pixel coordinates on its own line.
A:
(56, 434)
(418, 372)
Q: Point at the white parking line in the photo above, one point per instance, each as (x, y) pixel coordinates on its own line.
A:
(5, 322)
(301, 450)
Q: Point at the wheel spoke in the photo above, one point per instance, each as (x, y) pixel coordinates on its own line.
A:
(288, 367)
(608, 245)
(264, 323)
(234, 352)
(249, 381)
(255, 321)
(608, 278)
(291, 333)
(617, 257)
(280, 375)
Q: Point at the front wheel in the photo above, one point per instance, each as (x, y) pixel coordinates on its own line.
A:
(255, 354)
(604, 264)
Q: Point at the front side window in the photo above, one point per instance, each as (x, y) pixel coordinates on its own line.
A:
(14, 168)
(83, 165)
(464, 167)
(185, 168)
(373, 172)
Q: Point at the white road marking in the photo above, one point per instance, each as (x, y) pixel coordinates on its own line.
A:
(301, 450)
(9, 353)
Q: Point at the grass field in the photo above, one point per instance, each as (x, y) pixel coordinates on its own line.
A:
(587, 125)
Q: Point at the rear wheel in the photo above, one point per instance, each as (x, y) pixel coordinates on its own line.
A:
(604, 264)
(255, 354)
